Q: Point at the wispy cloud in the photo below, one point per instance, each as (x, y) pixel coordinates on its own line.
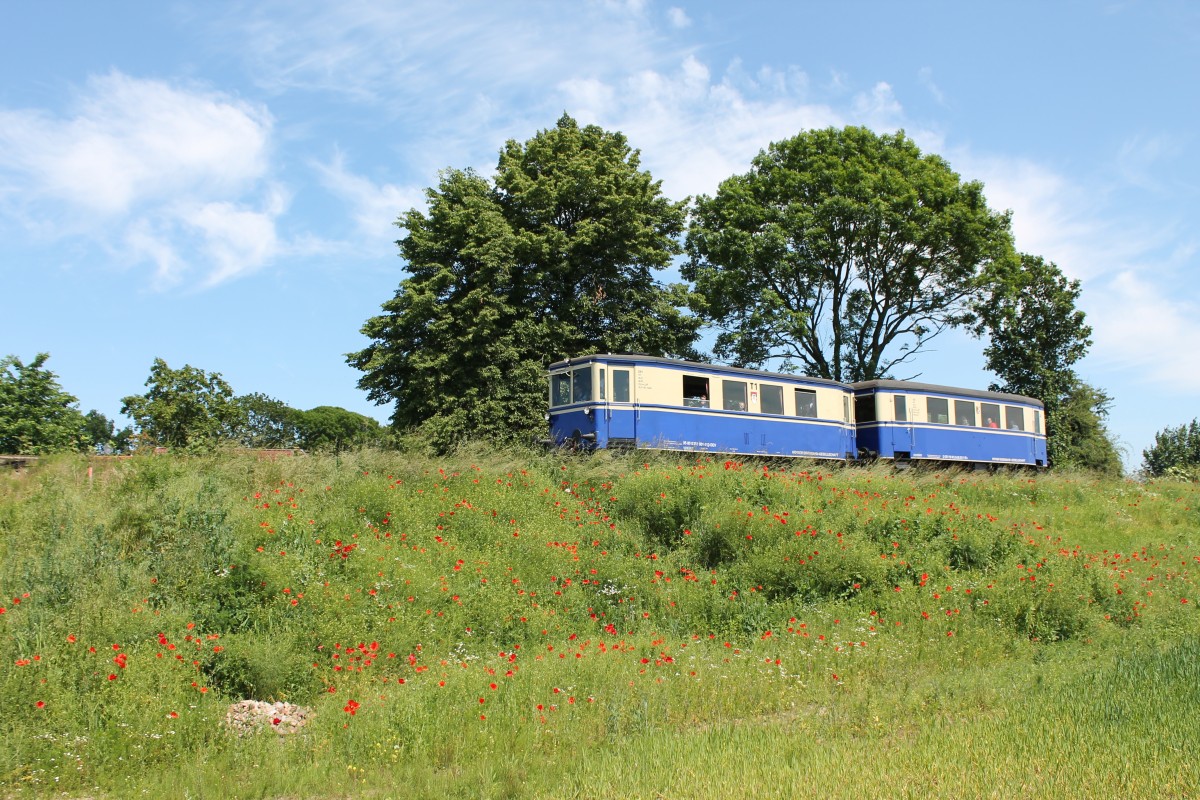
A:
(374, 207)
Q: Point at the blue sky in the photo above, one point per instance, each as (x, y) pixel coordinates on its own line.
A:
(216, 184)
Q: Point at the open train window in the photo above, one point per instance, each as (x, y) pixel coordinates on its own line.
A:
(806, 403)
(581, 384)
(864, 408)
(733, 395)
(620, 385)
(901, 408)
(1014, 418)
(991, 415)
(772, 399)
(937, 409)
(560, 389)
(695, 391)
(964, 412)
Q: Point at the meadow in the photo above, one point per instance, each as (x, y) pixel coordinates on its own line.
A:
(511, 624)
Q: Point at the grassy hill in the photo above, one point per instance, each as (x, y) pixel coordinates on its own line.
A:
(518, 625)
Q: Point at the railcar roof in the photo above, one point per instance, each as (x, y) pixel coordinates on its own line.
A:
(633, 358)
(933, 388)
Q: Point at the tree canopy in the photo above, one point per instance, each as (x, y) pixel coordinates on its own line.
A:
(183, 408)
(1176, 452)
(36, 415)
(553, 257)
(841, 252)
(1035, 336)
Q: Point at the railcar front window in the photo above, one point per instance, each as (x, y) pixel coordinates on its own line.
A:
(603, 384)
(620, 385)
(806, 403)
(864, 408)
(991, 415)
(581, 384)
(695, 391)
(938, 410)
(964, 412)
(733, 395)
(1014, 418)
(772, 400)
(560, 389)
(901, 408)
(1037, 422)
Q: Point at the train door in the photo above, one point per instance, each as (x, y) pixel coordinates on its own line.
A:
(621, 409)
(902, 432)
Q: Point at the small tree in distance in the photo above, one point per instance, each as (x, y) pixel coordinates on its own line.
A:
(185, 408)
(1175, 453)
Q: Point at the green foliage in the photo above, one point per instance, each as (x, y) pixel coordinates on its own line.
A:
(1175, 453)
(184, 408)
(102, 435)
(553, 257)
(1035, 336)
(332, 429)
(36, 415)
(264, 422)
(842, 252)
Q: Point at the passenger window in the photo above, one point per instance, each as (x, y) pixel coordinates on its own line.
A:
(991, 415)
(938, 410)
(806, 403)
(733, 395)
(964, 412)
(901, 408)
(620, 386)
(695, 391)
(581, 384)
(864, 408)
(771, 399)
(560, 389)
(1037, 422)
(1014, 418)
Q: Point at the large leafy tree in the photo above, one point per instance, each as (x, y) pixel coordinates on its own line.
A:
(333, 429)
(555, 256)
(1176, 452)
(36, 415)
(1035, 336)
(841, 252)
(264, 422)
(185, 408)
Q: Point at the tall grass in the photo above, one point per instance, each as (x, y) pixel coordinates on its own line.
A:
(507, 624)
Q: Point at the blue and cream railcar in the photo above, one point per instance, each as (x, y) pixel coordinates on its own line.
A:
(904, 421)
(635, 401)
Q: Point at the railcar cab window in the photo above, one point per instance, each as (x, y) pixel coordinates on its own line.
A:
(1037, 422)
(560, 389)
(964, 412)
(991, 415)
(620, 385)
(581, 384)
(901, 408)
(695, 391)
(937, 409)
(806, 403)
(733, 395)
(864, 408)
(1014, 418)
(771, 399)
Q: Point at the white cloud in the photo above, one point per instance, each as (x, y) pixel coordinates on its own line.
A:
(151, 171)
(375, 207)
(678, 17)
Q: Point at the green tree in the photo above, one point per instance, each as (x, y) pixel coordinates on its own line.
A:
(1035, 336)
(36, 415)
(186, 408)
(1176, 452)
(264, 422)
(553, 257)
(841, 252)
(100, 433)
(329, 428)
(1076, 436)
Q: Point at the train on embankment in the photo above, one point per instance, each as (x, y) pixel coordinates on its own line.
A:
(644, 402)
